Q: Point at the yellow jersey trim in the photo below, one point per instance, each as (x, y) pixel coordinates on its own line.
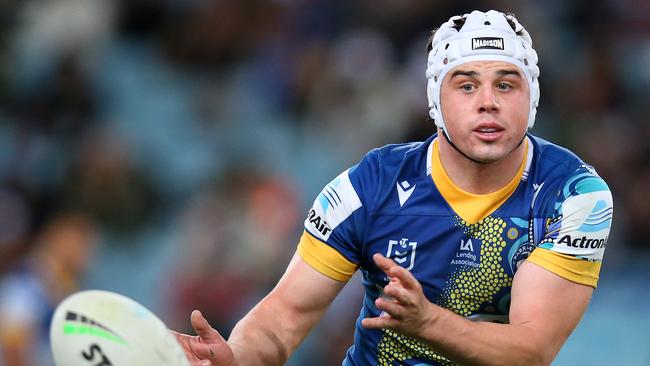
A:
(469, 206)
(566, 266)
(325, 259)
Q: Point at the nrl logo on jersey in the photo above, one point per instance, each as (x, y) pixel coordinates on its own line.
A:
(402, 252)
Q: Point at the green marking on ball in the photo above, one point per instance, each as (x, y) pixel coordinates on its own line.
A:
(76, 329)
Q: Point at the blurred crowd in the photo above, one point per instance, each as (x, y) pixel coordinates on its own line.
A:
(169, 149)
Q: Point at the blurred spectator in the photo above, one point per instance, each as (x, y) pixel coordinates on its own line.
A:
(236, 239)
(104, 181)
(15, 226)
(32, 289)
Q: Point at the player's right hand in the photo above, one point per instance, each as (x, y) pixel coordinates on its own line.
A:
(207, 348)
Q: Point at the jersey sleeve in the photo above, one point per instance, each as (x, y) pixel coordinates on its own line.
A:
(332, 239)
(576, 235)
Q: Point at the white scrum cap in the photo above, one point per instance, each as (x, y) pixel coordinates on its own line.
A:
(480, 36)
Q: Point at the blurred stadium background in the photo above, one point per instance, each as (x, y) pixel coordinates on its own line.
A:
(169, 149)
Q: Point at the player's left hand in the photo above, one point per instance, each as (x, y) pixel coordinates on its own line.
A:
(405, 307)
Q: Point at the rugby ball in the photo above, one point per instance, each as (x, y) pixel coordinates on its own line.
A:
(102, 328)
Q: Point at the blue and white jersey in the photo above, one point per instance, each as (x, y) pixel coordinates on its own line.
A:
(463, 248)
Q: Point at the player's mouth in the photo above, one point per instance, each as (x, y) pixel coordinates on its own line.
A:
(488, 131)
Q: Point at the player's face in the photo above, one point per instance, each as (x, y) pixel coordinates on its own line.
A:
(485, 105)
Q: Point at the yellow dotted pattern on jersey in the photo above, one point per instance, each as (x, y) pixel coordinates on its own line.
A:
(467, 288)
(395, 347)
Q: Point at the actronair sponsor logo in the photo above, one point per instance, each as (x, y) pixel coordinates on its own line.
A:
(318, 222)
(336, 202)
(490, 43)
(582, 242)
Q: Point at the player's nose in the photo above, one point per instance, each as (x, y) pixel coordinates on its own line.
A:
(488, 100)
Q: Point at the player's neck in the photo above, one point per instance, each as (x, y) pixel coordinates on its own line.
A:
(478, 178)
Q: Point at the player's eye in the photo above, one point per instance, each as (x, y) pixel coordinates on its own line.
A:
(467, 87)
(503, 86)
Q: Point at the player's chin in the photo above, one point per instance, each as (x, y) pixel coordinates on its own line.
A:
(494, 151)
(489, 154)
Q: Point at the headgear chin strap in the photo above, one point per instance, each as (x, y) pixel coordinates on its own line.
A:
(483, 37)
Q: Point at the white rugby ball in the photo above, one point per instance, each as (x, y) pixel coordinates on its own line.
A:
(102, 328)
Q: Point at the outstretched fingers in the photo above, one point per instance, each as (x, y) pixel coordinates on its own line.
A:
(395, 272)
(186, 342)
(380, 322)
(208, 344)
(203, 328)
(403, 305)
(207, 348)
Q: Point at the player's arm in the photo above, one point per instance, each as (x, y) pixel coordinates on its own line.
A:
(277, 325)
(270, 332)
(545, 309)
(273, 329)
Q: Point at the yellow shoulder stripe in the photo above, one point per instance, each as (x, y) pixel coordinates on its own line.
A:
(325, 259)
(573, 269)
